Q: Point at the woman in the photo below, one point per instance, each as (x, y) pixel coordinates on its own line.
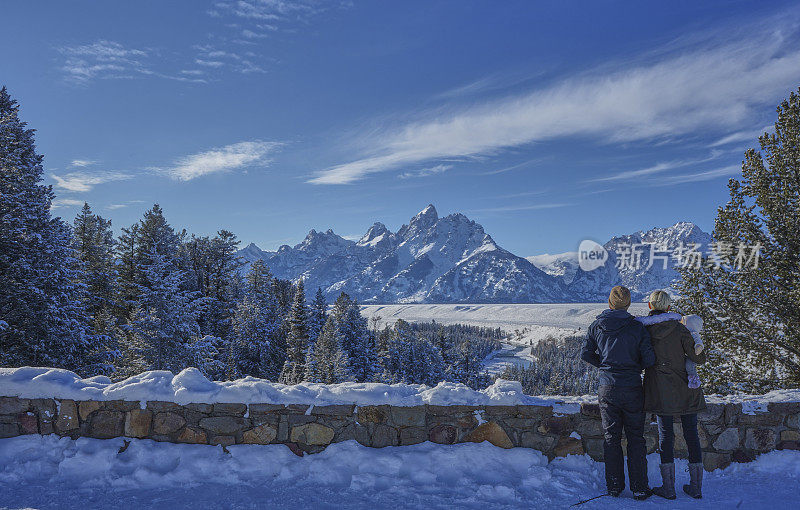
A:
(667, 393)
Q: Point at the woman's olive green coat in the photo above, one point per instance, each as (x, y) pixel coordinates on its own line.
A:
(666, 389)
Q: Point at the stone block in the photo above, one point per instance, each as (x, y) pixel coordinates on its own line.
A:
(788, 445)
(200, 408)
(192, 435)
(167, 423)
(121, 405)
(158, 406)
(594, 448)
(454, 410)
(732, 412)
(728, 440)
(9, 430)
(372, 414)
(590, 410)
(784, 407)
(312, 434)
(588, 427)
(354, 431)
(790, 435)
(87, 408)
(761, 420)
(222, 425)
(333, 410)
(568, 446)
(408, 416)
(266, 408)
(67, 416)
(558, 425)
(713, 460)
(296, 408)
(412, 435)
(263, 434)
(491, 432)
(537, 441)
(107, 424)
(502, 411)
(443, 434)
(137, 423)
(13, 405)
(793, 421)
(538, 412)
(300, 419)
(760, 439)
(45, 408)
(742, 456)
(28, 424)
(229, 409)
(384, 435)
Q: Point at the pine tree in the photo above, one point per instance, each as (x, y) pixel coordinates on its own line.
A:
(327, 362)
(752, 314)
(297, 341)
(317, 315)
(94, 250)
(257, 348)
(352, 326)
(41, 301)
(164, 322)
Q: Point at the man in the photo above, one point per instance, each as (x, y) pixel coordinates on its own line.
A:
(619, 347)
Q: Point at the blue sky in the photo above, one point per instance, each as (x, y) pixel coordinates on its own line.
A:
(547, 122)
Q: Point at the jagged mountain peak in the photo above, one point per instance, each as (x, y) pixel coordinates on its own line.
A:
(374, 235)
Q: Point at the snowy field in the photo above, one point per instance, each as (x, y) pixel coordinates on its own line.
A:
(526, 324)
(48, 472)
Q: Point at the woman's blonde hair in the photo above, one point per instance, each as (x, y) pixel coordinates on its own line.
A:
(660, 300)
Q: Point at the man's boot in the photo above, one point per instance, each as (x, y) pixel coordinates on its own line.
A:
(695, 486)
(667, 489)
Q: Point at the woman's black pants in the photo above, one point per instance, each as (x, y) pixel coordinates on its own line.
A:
(666, 438)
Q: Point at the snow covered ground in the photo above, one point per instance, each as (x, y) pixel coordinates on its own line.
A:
(51, 472)
(526, 324)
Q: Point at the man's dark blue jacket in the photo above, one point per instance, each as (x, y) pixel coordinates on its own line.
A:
(620, 347)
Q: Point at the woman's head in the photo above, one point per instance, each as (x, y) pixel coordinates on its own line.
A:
(659, 300)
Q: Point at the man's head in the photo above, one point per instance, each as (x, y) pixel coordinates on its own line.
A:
(659, 300)
(620, 298)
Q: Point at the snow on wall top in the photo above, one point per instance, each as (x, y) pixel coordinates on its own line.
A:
(190, 386)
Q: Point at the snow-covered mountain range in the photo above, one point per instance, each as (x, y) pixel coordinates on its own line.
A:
(452, 260)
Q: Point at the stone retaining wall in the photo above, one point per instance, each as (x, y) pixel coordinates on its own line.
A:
(726, 434)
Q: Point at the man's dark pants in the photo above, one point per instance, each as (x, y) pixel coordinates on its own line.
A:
(622, 408)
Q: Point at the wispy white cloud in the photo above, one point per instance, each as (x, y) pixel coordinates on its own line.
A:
(59, 203)
(114, 207)
(711, 86)
(102, 59)
(81, 163)
(85, 181)
(223, 159)
(743, 136)
(425, 172)
(215, 58)
(523, 207)
(262, 17)
(706, 175)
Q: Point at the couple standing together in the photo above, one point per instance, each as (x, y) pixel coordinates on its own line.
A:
(666, 346)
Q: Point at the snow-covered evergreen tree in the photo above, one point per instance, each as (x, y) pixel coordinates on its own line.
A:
(352, 327)
(297, 340)
(318, 313)
(202, 354)
(410, 359)
(327, 362)
(94, 249)
(751, 305)
(41, 299)
(164, 322)
(256, 347)
(213, 268)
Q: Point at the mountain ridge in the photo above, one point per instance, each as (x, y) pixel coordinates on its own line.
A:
(451, 259)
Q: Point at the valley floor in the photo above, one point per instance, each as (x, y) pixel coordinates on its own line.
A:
(50, 472)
